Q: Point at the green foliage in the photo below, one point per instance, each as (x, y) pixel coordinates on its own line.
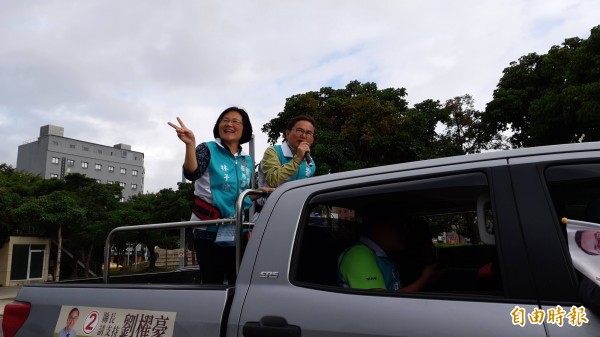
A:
(352, 124)
(363, 126)
(552, 98)
(23, 184)
(51, 212)
(86, 211)
(165, 206)
(463, 128)
(15, 188)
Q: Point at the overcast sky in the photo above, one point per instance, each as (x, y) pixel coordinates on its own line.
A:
(114, 72)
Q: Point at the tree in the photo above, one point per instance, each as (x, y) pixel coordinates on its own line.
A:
(52, 213)
(15, 187)
(356, 126)
(80, 213)
(165, 206)
(552, 98)
(362, 126)
(99, 200)
(463, 128)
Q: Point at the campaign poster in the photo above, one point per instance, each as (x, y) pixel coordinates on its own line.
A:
(584, 247)
(78, 321)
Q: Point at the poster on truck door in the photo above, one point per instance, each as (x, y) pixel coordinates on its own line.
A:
(77, 321)
(584, 247)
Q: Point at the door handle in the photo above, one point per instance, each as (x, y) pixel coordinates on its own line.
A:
(271, 326)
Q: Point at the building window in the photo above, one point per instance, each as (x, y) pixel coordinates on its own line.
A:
(72, 146)
(98, 181)
(111, 169)
(123, 153)
(55, 142)
(122, 184)
(27, 262)
(123, 170)
(53, 175)
(84, 164)
(134, 186)
(55, 160)
(98, 167)
(86, 148)
(99, 151)
(134, 172)
(70, 162)
(110, 182)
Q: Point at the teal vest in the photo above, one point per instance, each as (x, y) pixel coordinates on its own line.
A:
(229, 176)
(304, 171)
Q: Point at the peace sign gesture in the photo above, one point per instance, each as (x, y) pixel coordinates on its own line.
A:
(186, 135)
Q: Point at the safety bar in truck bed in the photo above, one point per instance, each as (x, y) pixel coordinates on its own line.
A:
(238, 220)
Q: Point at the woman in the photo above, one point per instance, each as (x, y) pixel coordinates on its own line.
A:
(220, 171)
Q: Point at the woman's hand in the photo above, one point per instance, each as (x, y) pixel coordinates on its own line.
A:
(186, 135)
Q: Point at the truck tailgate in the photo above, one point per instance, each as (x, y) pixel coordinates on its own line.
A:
(197, 310)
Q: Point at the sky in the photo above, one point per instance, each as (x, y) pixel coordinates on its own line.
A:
(113, 72)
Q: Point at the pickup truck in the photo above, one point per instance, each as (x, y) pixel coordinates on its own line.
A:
(490, 221)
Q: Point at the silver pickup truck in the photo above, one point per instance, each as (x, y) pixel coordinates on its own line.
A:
(491, 222)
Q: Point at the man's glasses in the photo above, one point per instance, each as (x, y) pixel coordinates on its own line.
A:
(301, 131)
(233, 121)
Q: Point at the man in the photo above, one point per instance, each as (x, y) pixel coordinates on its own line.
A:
(68, 330)
(288, 161)
(588, 241)
(367, 264)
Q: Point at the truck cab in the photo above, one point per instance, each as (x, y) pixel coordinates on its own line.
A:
(509, 265)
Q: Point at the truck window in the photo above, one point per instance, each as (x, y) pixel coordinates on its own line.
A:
(449, 221)
(573, 189)
(575, 193)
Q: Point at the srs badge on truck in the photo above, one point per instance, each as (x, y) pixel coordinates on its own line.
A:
(269, 274)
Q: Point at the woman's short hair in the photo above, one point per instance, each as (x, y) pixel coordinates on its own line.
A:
(246, 133)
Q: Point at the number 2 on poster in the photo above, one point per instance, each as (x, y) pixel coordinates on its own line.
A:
(90, 322)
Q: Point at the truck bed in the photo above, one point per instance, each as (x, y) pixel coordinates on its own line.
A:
(195, 307)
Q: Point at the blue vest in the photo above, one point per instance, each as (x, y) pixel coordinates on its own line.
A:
(304, 171)
(229, 176)
(390, 274)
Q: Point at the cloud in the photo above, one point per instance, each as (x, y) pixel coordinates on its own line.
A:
(111, 72)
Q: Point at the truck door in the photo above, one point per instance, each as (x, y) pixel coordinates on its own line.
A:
(465, 222)
(547, 192)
